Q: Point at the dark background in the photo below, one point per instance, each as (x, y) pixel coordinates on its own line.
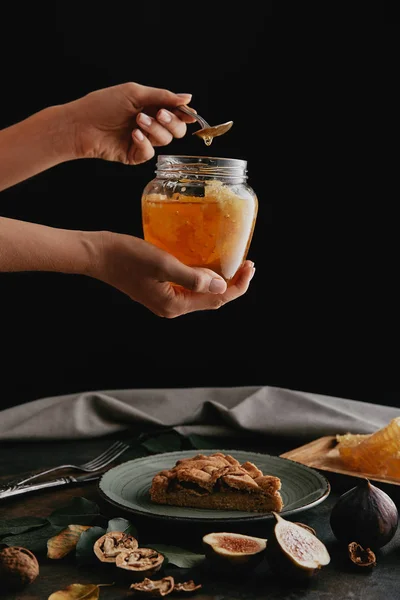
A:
(320, 314)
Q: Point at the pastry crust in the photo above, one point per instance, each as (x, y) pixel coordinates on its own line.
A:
(217, 481)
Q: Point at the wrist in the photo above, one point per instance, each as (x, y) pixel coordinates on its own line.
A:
(77, 133)
(26, 246)
(98, 247)
(57, 128)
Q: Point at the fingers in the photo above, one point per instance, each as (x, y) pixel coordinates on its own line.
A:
(152, 132)
(141, 149)
(197, 280)
(157, 117)
(163, 128)
(242, 282)
(183, 116)
(143, 95)
(183, 301)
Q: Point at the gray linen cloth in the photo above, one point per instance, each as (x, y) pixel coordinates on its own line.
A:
(261, 410)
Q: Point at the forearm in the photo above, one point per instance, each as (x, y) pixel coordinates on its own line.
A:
(34, 145)
(31, 247)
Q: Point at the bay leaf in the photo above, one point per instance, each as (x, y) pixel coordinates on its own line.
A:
(185, 559)
(64, 542)
(80, 511)
(20, 524)
(35, 540)
(79, 591)
(84, 548)
(121, 524)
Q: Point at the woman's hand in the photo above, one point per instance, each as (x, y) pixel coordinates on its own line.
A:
(131, 265)
(145, 273)
(126, 122)
(122, 123)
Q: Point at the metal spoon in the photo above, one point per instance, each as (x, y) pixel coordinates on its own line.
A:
(207, 132)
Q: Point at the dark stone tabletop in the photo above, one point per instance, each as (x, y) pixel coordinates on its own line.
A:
(338, 580)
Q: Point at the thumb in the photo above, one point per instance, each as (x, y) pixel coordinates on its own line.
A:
(196, 279)
(145, 96)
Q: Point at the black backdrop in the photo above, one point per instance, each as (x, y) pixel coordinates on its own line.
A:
(311, 319)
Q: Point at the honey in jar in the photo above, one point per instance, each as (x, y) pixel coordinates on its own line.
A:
(201, 210)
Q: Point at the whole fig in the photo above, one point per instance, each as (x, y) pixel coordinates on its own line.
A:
(18, 568)
(366, 515)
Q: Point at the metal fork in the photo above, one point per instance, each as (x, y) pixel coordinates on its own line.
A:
(95, 464)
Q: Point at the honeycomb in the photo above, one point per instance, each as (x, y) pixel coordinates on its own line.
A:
(377, 453)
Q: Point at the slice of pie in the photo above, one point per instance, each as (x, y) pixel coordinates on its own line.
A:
(217, 481)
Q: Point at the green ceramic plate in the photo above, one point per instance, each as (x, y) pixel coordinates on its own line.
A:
(127, 486)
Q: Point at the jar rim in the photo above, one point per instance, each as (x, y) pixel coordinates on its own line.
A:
(165, 159)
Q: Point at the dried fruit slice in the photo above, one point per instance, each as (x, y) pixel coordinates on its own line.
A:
(153, 588)
(140, 562)
(113, 543)
(233, 550)
(294, 550)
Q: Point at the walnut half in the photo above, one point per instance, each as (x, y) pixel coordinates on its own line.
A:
(113, 543)
(162, 587)
(187, 586)
(140, 562)
(361, 557)
(153, 589)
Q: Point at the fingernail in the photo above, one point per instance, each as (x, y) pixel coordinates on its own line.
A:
(144, 119)
(253, 270)
(189, 96)
(138, 135)
(217, 286)
(251, 263)
(164, 116)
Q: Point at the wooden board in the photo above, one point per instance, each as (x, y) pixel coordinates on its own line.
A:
(323, 454)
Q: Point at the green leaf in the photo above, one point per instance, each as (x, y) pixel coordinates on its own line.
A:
(20, 524)
(200, 441)
(84, 548)
(79, 511)
(35, 540)
(120, 524)
(166, 442)
(185, 559)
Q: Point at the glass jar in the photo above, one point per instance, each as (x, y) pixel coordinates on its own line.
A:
(201, 210)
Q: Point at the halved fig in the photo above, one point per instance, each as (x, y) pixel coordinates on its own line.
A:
(109, 545)
(294, 551)
(141, 562)
(154, 588)
(233, 551)
(310, 529)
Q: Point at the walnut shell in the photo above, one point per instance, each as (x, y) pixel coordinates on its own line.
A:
(187, 587)
(141, 562)
(109, 545)
(154, 588)
(361, 557)
(18, 568)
